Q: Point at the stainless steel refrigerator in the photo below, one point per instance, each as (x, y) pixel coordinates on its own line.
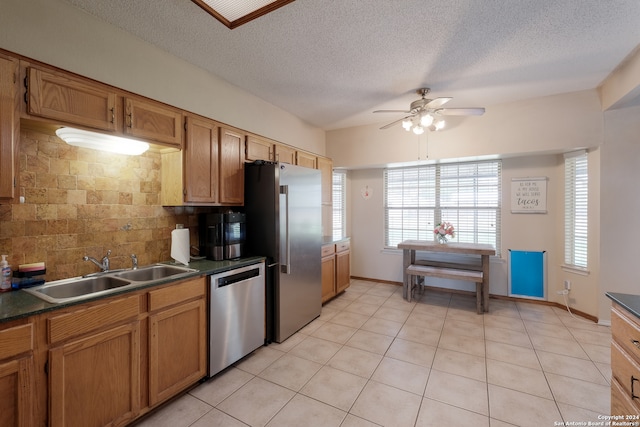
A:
(284, 223)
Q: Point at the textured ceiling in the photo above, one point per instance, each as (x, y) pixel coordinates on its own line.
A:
(332, 62)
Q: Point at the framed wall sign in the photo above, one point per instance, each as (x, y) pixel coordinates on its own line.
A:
(529, 195)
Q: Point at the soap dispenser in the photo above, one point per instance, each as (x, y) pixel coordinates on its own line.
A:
(5, 279)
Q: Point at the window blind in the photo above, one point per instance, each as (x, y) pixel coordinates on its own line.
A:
(338, 189)
(468, 195)
(576, 216)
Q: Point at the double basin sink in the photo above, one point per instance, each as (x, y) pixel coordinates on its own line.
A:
(78, 288)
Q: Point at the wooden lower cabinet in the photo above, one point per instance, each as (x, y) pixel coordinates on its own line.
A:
(177, 340)
(16, 388)
(328, 272)
(343, 266)
(16, 376)
(336, 269)
(625, 362)
(110, 361)
(95, 381)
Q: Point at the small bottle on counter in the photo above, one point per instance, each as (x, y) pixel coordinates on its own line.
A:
(5, 278)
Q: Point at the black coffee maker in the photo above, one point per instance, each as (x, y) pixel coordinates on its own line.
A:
(222, 235)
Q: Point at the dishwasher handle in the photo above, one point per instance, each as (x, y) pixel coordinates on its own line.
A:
(236, 278)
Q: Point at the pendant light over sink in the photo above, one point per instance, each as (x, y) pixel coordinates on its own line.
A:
(102, 142)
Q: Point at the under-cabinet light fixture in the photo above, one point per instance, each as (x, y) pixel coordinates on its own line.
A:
(102, 142)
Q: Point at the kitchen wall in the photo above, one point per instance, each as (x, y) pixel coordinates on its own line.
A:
(620, 206)
(83, 202)
(530, 136)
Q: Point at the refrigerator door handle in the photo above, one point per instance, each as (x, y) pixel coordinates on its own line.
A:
(285, 267)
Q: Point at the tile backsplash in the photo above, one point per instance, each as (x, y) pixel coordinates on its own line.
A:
(81, 202)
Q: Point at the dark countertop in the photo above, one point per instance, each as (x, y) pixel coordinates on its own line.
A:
(628, 301)
(329, 239)
(18, 304)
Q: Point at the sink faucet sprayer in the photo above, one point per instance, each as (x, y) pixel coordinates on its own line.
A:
(104, 266)
(134, 261)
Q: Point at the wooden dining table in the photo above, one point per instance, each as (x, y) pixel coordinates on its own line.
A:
(484, 251)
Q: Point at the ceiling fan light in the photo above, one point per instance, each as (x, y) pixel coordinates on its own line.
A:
(426, 120)
(418, 130)
(439, 125)
(406, 124)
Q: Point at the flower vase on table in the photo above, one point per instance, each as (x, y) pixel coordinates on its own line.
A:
(444, 231)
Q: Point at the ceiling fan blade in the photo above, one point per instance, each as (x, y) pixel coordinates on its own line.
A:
(438, 102)
(392, 111)
(460, 111)
(394, 123)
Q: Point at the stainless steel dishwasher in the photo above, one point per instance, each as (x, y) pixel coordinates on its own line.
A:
(236, 315)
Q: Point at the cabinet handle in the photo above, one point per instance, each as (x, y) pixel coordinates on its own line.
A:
(130, 124)
(633, 380)
(113, 115)
(635, 342)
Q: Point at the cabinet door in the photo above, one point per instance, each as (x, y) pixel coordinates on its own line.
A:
(343, 271)
(153, 121)
(325, 166)
(177, 349)
(328, 277)
(16, 389)
(95, 381)
(285, 154)
(9, 126)
(201, 161)
(231, 167)
(60, 97)
(306, 160)
(258, 149)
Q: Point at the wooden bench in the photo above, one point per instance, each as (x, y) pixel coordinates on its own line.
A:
(468, 275)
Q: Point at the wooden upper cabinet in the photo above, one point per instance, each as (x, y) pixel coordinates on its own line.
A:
(258, 149)
(231, 167)
(285, 154)
(326, 172)
(201, 161)
(306, 160)
(70, 100)
(9, 126)
(153, 121)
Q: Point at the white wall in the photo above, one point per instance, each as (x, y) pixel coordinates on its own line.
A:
(620, 206)
(542, 125)
(54, 32)
(530, 136)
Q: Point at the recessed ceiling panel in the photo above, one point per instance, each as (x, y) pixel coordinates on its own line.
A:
(233, 13)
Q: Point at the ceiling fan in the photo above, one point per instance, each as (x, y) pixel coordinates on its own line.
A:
(425, 113)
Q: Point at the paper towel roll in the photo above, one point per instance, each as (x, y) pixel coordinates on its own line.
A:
(180, 248)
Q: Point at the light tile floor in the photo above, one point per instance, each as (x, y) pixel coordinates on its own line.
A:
(372, 358)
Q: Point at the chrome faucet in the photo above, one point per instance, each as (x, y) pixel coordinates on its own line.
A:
(134, 261)
(104, 266)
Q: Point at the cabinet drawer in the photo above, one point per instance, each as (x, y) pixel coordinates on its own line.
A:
(328, 250)
(626, 371)
(626, 332)
(177, 293)
(82, 321)
(342, 246)
(16, 340)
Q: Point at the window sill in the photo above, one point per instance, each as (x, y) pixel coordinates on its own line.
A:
(576, 270)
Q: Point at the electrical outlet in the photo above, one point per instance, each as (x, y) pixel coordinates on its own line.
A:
(567, 285)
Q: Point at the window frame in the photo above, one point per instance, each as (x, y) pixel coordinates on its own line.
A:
(467, 194)
(338, 204)
(576, 211)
